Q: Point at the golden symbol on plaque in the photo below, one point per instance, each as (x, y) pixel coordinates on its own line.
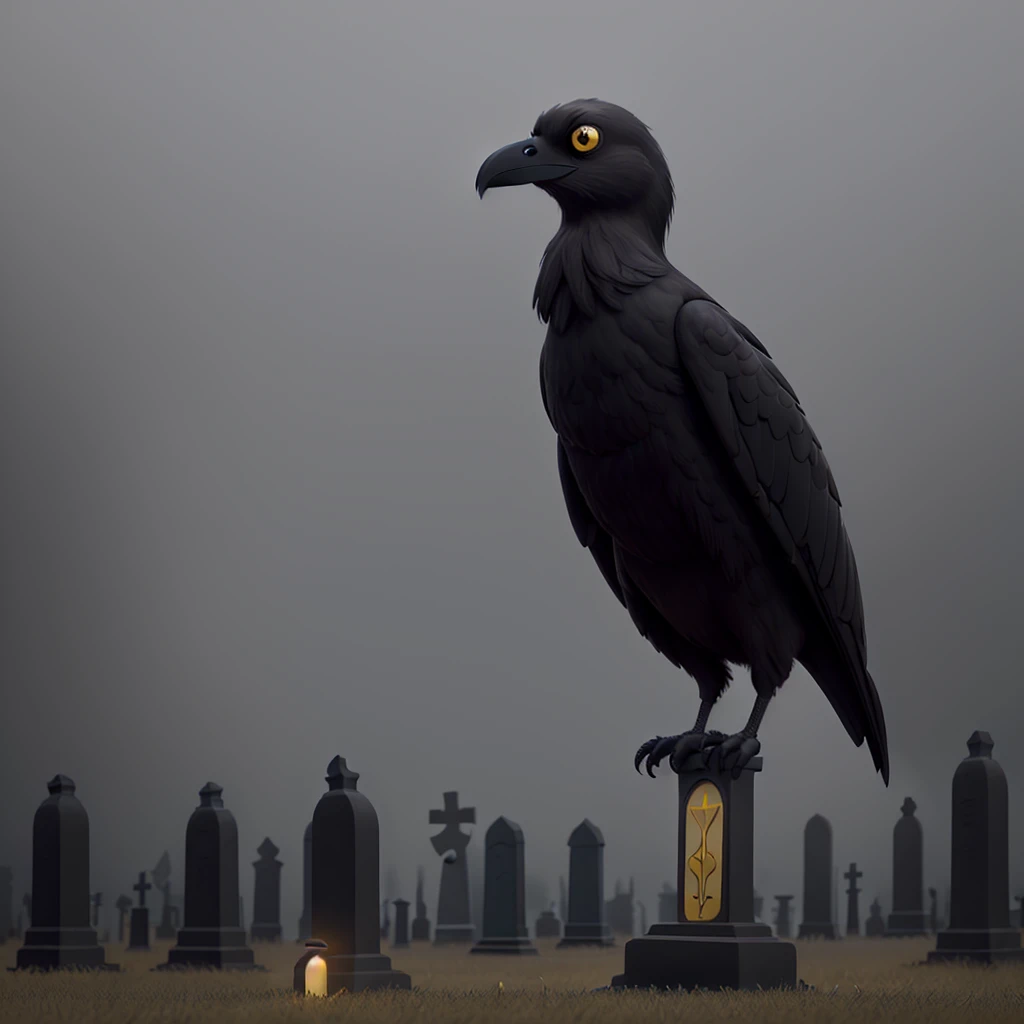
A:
(704, 836)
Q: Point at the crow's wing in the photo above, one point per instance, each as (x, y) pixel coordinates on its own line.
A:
(758, 419)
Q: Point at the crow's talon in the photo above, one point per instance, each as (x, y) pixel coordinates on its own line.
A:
(736, 751)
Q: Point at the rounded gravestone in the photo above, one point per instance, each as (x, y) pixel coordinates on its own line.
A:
(504, 928)
(817, 920)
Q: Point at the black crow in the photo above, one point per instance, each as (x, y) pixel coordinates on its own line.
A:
(688, 467)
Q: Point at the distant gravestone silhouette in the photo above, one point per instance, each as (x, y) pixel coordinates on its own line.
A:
(852, 907)
(306, 920)
(817, 920)
(346, 886)
(933, 910)
(97, 906)
(874, 927)
(454, 923)
(212, 934)
(563, 900)
(504, 929)
(668, 904)
(401, 939)
(619, 911)
(6, 904)
(907, 916)
(169, 918)
(138, 933)
(60, 934)
(979, 917)
(586, 924)
(266, 897)
(124, 905)
(420, 923)
(547, 925)
(782, 925)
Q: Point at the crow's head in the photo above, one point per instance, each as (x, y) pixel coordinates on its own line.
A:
(590, 156)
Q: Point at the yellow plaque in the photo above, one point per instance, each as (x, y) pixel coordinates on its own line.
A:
(704, 865)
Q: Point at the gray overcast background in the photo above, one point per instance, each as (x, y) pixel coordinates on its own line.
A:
(277, 483)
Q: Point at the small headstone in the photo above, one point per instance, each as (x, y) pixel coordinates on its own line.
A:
(124, 905)
(212, 933)
(979, 921)
(504, 928)
(907, 917)
(817, 920)
(266, 898)
(420, 923)
(586, 924)
(306, 920)
(454, 922)
(783, 928)
(401, 924)
(874, 927)
(852, 907)
(138, 933)
(668, 904)
(346, 886)
(60, 935)
(547, 926)
(6, 904)
(618, 911)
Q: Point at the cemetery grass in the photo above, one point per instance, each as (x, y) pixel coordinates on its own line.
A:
(854, 981)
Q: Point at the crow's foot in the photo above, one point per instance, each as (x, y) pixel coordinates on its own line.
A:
(734, 752)
(679, 747)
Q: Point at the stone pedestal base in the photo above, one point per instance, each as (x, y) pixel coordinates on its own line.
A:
(453, 934)
(218, 948)
(507, 947)
(986, 946)
(363, 972)
(586, 935)
(817, 930)
(906, 923)
(51, 949)
(692, 955)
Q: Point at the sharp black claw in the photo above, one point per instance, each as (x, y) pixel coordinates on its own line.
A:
(644, 751)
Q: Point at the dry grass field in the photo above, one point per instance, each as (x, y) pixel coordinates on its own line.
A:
(854, 981)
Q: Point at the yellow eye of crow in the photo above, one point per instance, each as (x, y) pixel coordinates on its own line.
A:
(585, 138)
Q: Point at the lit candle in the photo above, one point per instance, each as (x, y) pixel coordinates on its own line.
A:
(310, 975)
(316, 977)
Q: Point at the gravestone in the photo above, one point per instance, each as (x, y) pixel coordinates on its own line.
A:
(60, 934)
(266, 897)
(586, 924)
(138, 933)
(547, 925)
(401, 924)
(169, 922)
(668, 904)
(874, 927)
(346, 886)
(907, 916)
(852, 907)
(817, 920)
(211, 934)
(618, 911)
(454, 922)
(783, 928)
(6, 904)
(306, 920)
(715, 943)
(979, 918)
(933, 910)
(124, 905)
(504, 929)
(420, 923)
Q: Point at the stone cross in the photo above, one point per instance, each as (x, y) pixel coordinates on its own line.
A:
(852, 909)
(907, 917)
(586, 924)
(453, 917)
(817, 908)
(504, 928)
(266, 898)
(142, 887)
(979, 919)
(782, 925)
(61, 934)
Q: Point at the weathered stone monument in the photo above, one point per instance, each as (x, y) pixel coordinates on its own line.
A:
(783, 929)
(979, 917)
(715, 943)
(504, 928)
(138, 932)
(60, 934)
(817, 922)
(212, 934)
(586, 924)
(346, 886)
(6, 904)
(619, 912)
(874, 927)
(852, 907)
(401, 924)
(306, 920)
(420, 923)
(124, 905)
(266, 897)
(547, 925)
(907, 916)
(454, 923)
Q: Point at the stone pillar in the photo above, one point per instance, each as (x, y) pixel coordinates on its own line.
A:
(907, 917)
(586, 924)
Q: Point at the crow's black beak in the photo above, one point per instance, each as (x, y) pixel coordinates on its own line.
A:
(522, 163)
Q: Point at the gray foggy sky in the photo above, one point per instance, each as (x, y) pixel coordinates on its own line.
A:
(277, 480)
